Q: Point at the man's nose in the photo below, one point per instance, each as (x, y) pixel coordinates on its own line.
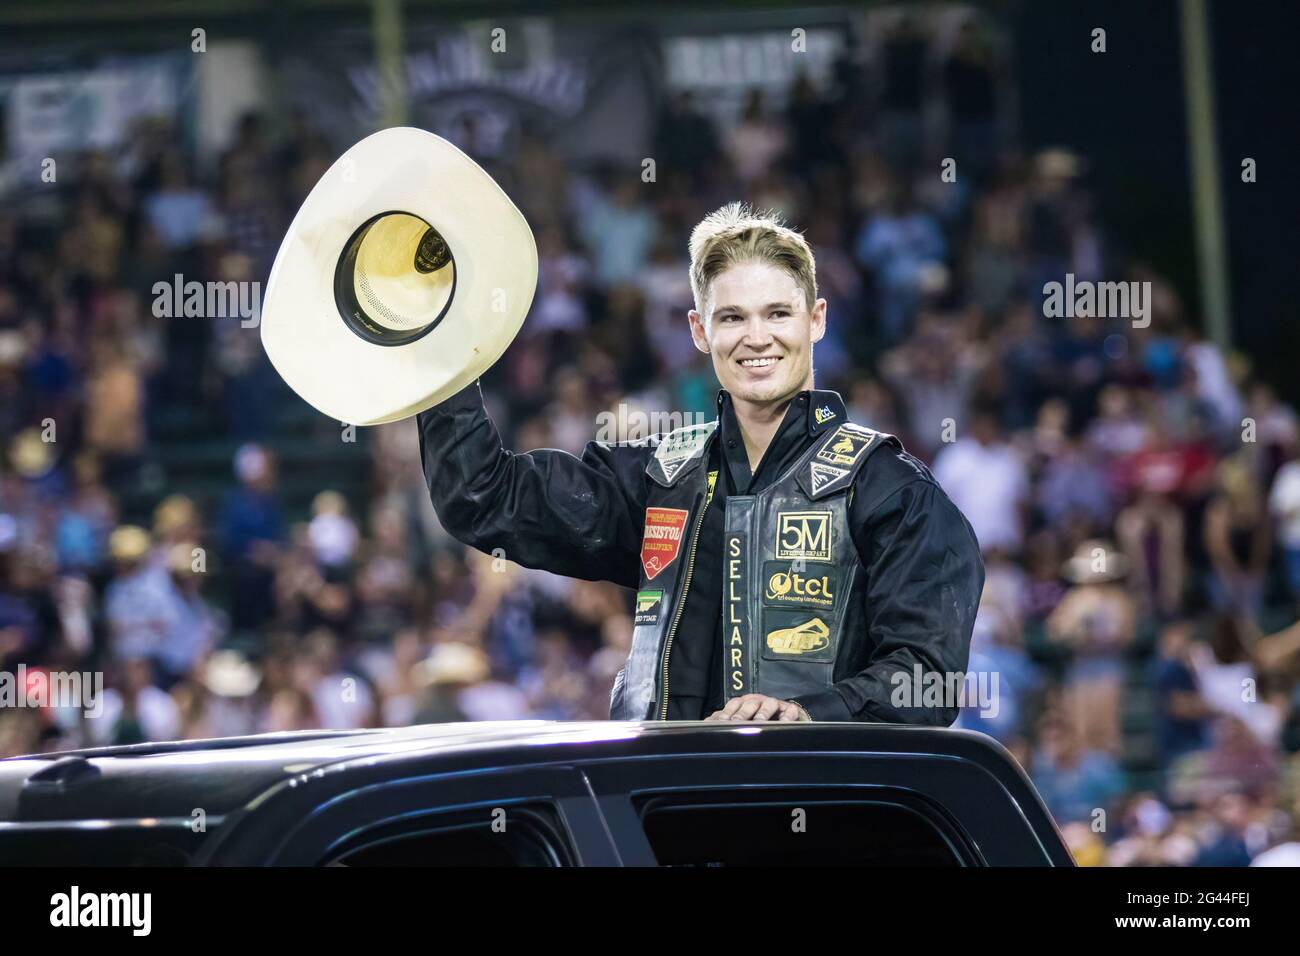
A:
(757, 335)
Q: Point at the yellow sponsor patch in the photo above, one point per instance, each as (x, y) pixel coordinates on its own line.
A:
(785, 586)
(806, 638)
(845, 447)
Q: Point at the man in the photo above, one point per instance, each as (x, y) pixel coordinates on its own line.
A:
(789, 564)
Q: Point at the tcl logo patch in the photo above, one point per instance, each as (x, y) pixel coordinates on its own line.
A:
(662, 541)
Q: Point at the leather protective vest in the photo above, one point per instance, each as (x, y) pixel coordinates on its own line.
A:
(792, 581)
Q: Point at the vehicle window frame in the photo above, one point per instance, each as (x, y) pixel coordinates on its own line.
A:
(993, 824)
(546, 825)
(938, 819)
(324, 817)
(152, 835)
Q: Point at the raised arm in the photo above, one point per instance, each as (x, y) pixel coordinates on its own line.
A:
(582, 518)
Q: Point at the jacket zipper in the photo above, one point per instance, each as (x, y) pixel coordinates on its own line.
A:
(686, 586)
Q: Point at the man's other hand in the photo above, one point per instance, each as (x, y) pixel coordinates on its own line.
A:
(760, 707)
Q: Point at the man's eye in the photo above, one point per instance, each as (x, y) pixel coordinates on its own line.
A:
(780, 312)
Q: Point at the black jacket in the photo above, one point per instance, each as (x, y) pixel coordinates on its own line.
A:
(585, 518)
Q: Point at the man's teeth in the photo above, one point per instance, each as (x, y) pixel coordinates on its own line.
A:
(758, 362)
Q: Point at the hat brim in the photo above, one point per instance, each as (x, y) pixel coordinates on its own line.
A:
(362, 383)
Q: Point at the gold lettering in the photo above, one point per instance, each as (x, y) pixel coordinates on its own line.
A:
(734, 545)
(735, 656)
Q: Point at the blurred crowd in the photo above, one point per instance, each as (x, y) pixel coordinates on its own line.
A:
(1136, 491)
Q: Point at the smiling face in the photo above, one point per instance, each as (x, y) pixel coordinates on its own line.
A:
(760, 333)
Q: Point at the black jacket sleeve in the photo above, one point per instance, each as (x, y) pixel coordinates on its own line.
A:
(581, 518)
(924, 580)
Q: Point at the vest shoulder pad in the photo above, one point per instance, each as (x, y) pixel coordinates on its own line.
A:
(836, 458)
(678, 450)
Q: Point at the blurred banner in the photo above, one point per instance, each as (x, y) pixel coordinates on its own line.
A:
(61, 111)
(593, 91)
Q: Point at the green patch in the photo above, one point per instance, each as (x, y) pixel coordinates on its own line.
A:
(648, 605)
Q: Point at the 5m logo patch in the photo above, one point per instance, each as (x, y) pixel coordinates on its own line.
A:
(804, 534)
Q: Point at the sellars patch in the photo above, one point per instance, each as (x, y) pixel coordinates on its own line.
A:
(845, 447)
(662, 540)
(815, 585)
(797, 635)
(648, 606)
(736, 618)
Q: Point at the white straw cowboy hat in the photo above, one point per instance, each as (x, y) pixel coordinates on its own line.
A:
(404, 276)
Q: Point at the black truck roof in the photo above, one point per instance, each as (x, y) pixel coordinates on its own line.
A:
(220, 775)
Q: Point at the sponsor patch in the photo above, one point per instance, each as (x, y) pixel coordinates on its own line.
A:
(804, 534)
(680, 446)
(648, 606)
(736, 617)
(662, 539)
(786, 585)
(823, 475)
(804, 638)
(823, 414)
(846, 446)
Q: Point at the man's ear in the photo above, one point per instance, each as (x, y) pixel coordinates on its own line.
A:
(698, 335)
(818, 320)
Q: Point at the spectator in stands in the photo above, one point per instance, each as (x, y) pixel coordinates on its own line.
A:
(1151, 533)
(1183, 714)
(180, 213)
(970, 78)
(195, 629)
(1075, 779)
(685, 140)
(902, 246)
(140, 603)
(986, 478)
(1284, 505)
(115, 397)
(1238, 540)
(135, 710)
(1096, 622)
(252, 535)
(619, 230)
(757, 141)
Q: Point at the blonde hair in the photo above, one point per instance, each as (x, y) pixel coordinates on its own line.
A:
(736, 233)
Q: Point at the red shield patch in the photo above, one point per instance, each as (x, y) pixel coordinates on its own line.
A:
(662, 541)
